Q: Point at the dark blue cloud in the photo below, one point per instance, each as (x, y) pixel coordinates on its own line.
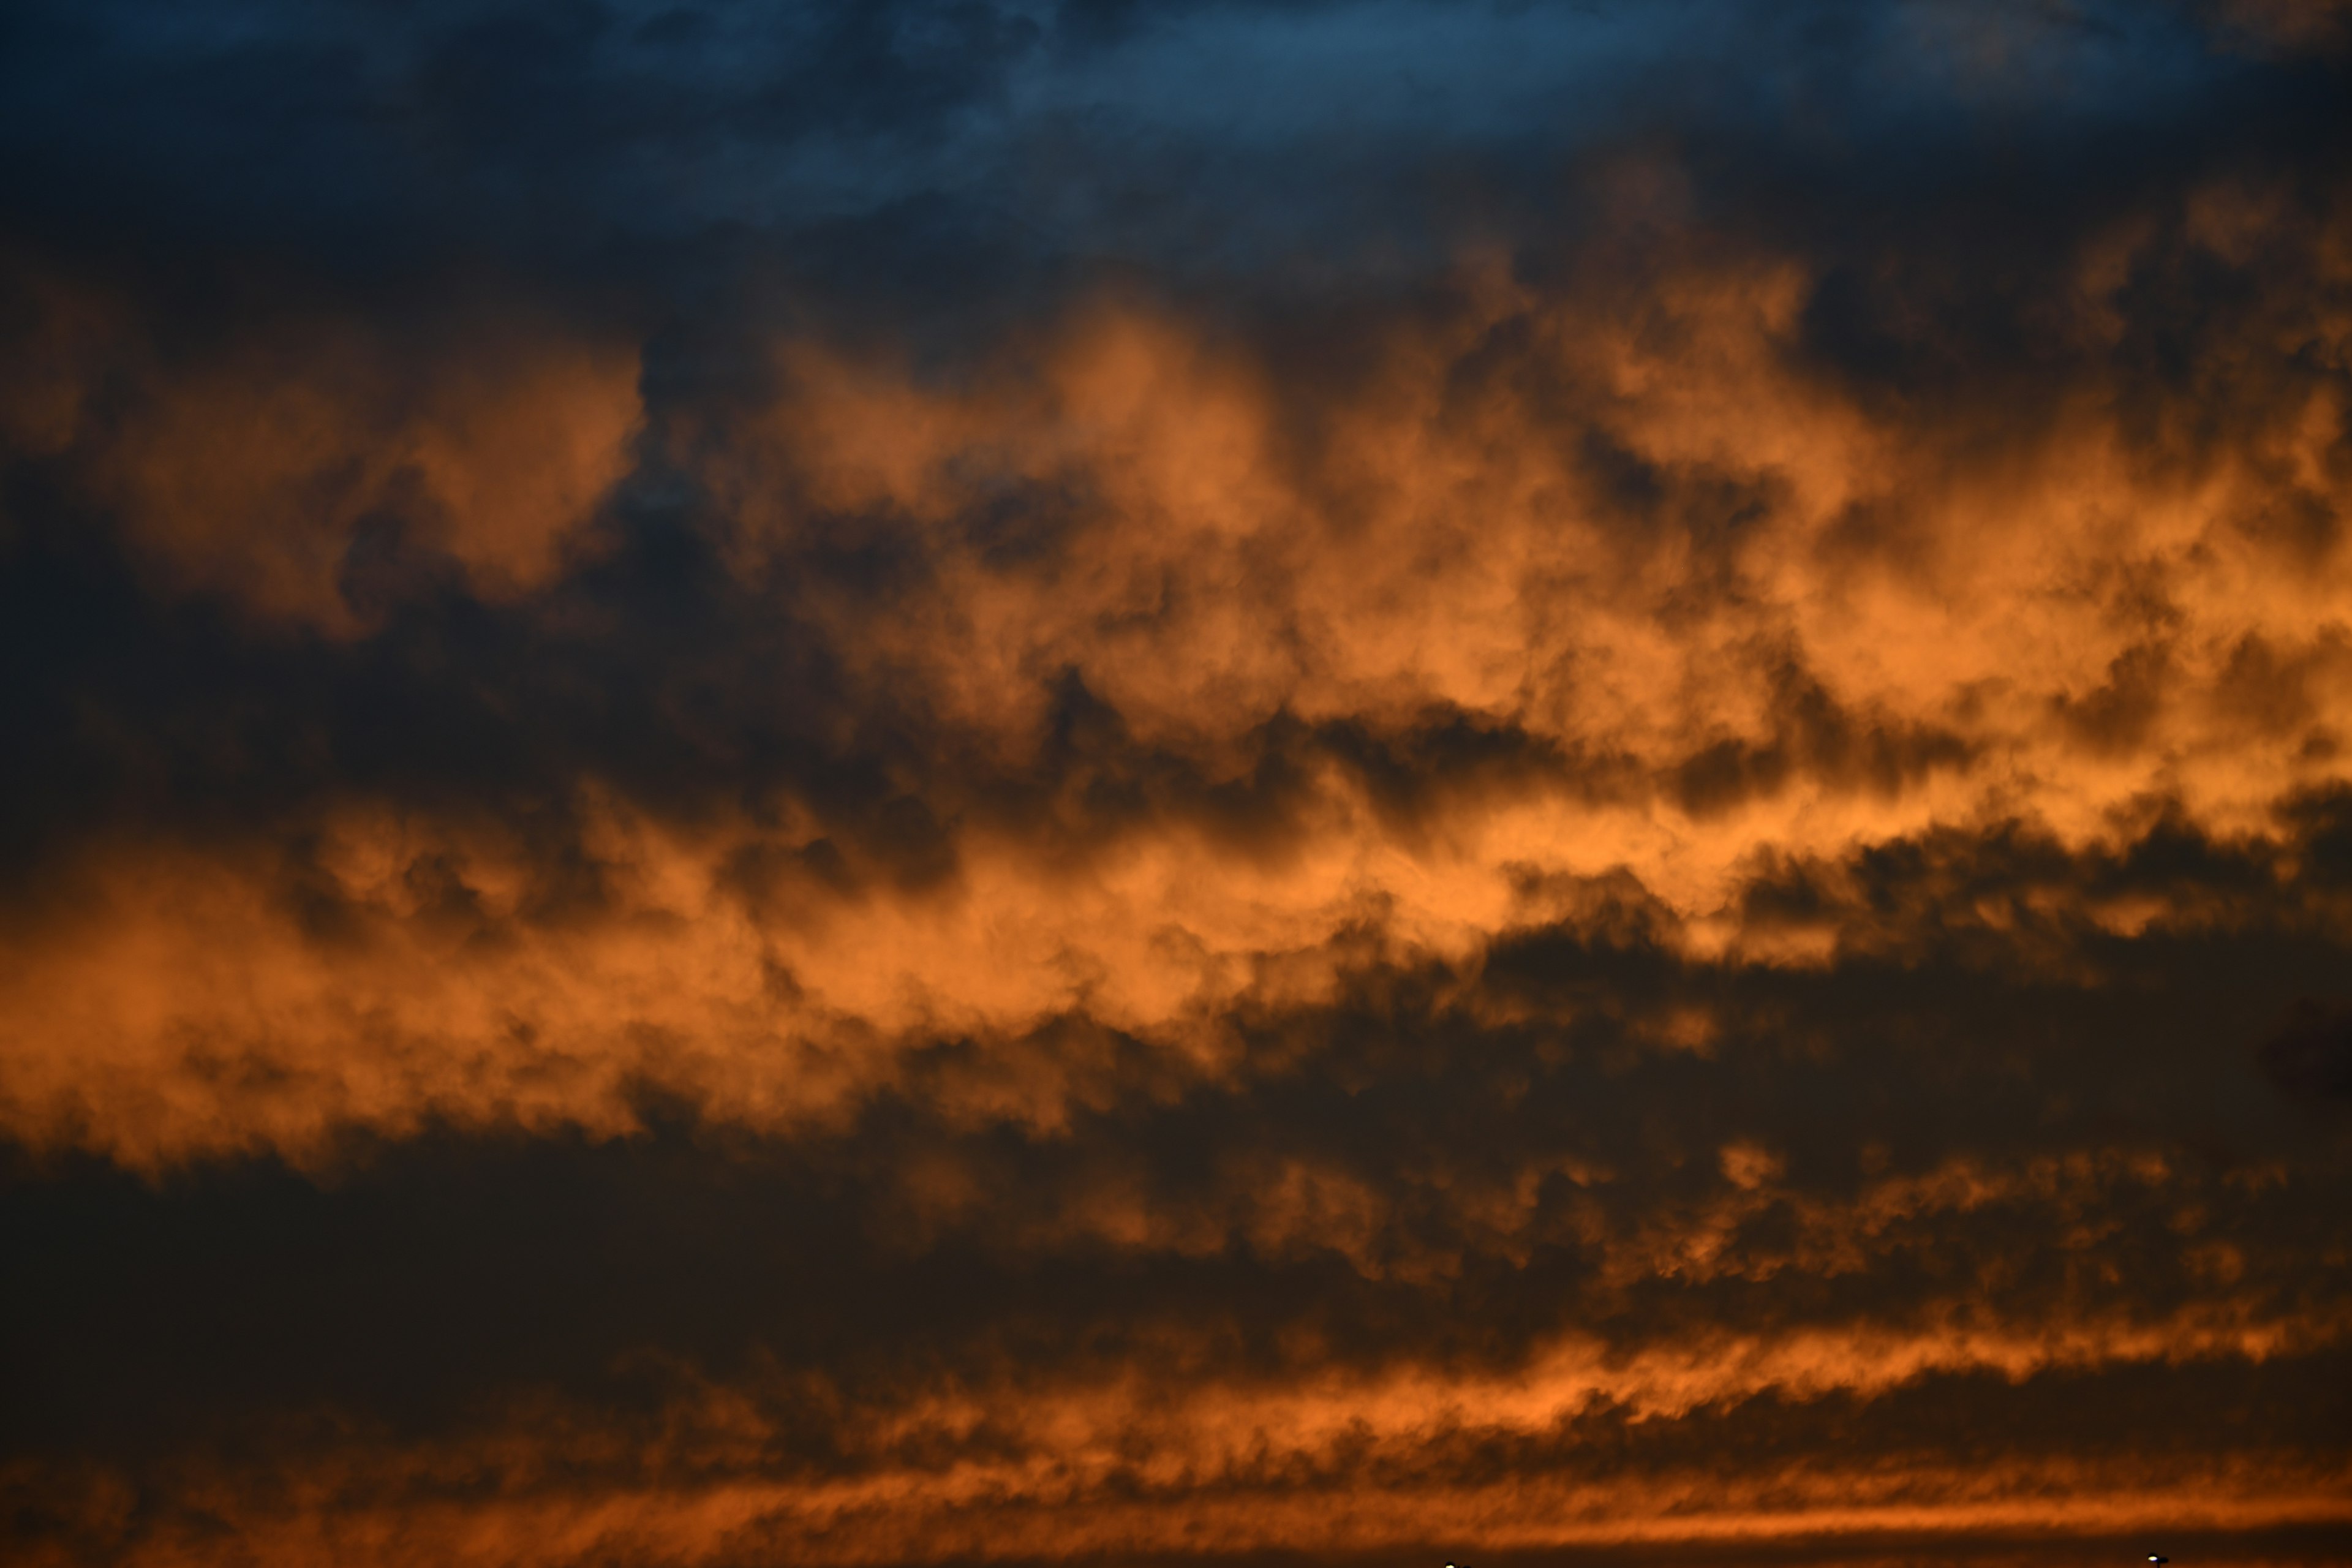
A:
(353, 134)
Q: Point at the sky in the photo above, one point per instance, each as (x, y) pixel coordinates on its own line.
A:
(1209, 786)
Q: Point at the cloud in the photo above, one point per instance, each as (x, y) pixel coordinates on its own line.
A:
(2310, 1054)
(924, 783)
(307, 469)
(1133, 680)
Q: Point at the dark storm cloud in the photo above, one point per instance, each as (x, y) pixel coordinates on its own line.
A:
(2310, 1054)
(365, 138)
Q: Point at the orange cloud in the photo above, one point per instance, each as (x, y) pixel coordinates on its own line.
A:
(2064, 609)
(1126, 1472)
(1565, 583)
(255, 468)
(1675, 890)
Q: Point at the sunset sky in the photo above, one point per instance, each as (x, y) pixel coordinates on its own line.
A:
(1210, 786)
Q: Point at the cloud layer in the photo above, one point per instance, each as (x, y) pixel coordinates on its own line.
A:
(919, 783)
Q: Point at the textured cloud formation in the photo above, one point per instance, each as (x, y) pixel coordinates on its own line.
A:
(916, 783)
